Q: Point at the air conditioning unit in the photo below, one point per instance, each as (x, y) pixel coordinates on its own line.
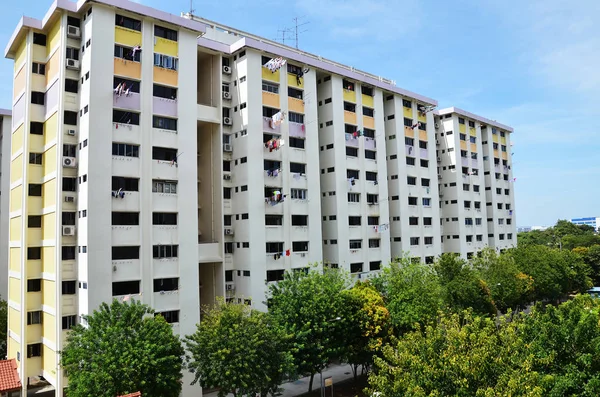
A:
(226, 95)
(228, 231)
(439, 177)
(227, 147)
(227, 121)
(437, 143)
(437, 125)
(226, 177)
(71, 132)
(70, 162)
(227, 69)
(72, 64)
(69, 199)
(441, 193)
(73, 32)
(68, 230)
(439, 159)
(230, 287)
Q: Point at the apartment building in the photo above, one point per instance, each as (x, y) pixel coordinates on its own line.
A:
(5, 134)
(475, 182)
(156, 158)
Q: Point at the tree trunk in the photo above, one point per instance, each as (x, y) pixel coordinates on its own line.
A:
(354, 371)
(310, 383)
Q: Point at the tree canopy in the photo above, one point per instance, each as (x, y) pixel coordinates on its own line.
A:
(124, 349)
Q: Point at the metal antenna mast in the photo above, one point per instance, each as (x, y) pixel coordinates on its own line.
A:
(299, 25)
(192, 7)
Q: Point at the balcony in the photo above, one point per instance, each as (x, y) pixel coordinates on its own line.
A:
(422, 135)
(129, 203)
(504, 156)
(165, 234)
(126, 166)
(409, 150)
(295, 105)
(370, 143)
(165, 300)
(164, 138)
(464, 161)
(125, 235)
(165, 267)
(462, 128)
(166, 76)
(164, 106)
(127, 269)
(367, 101)
(407, 112)
(474, 163)
(349, 117)
(267, 126)
(130, 101)
(409, 132)
(210, 114)
(128, 37)
(472, 131)
(422, 117)
(271, 76)
(273, 233)
(164, 202)
(162, 169)
(349, 96)
(293, 81)
(126, 133)
(368, 122)
(270, 99)
(297, 130)
(424, 153)
(473, 147)
(351, 140)
(463, 145)
(496, 154)
(166, 46)
(126, 68)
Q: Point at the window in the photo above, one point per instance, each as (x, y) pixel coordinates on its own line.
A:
(414, 241)
(428, 240)
(72, 85)
(164, 123)
(169, 187)
(353, 197)
(274, 248)
(426, 202)
(413, 221)
(425, 182)
(34, 221)
(36, 128)
(296, 117)
(461, 120)
(370, 154)
(348, 85)
(411, 180)
(128, 23)
(354, 220)
(300, 194)
(368, 112)
(298, 168)
(34, 285)
(299, 246)
(69, 322)
(299, 220)
(127, 53)
(68, 253)
(164, 154)
(171, 316)
(35, 190)
(124, 149)
(35, 158)
(410, 161)
(406, 103)
(351, 151)
(374, 242)
(166, 284)
(166, 61)
(69, 287)
(34, 317)
(165, 33)
(355, 244)
(124, 253)
(120, 288)
(162, 91)
(423, 144)
(123, 183)
(270, 87)
(164, 218)
(37, 98)
(125, 218)
(275, 275)
(273, 220)
(34, 350)
(124, 117)
(427, 221)
(38, 68)
(412, 201)
(39, 39)
(294, 93)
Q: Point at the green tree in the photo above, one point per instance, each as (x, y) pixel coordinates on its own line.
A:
(239, 350)
(309, 305)
(367, 325)
(462, 286)
(3, 327)
(411, 292)
(123, 349)
(537, 237)
(591, 256)
(510, 288)
(564, 228)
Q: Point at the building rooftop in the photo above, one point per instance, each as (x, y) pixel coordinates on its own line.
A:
(5, 112)
(473, 116)
(9, 377)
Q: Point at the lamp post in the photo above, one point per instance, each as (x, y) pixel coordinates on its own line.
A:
(321, 370)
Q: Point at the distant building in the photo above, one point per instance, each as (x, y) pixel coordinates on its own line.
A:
(590, 221)
(523, 229)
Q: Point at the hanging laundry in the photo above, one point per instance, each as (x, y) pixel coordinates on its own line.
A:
(355, 134)
(415, 125)
(303, 128)
(296, 176)
(278, 118)
(287, 253)
(275, 64)
(118, 89)
(136, 49)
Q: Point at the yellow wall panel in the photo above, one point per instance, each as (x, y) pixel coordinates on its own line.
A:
(49, 226)
(423, 135)
(128, 68)
(20, 54)
(49, 293)
(368, 122)
(13, 348)
(14, 320)
(34, 204)
(50, 129)
(34, 236)
(15, 228)
(127, 37)
(296, 105)
(504, 156)
(53, 37)
(367, 100)
(472, 131)
(462, 128)
(15, 259)
(463, 145)
(268, 75)
(165, 76)
(53, 67)
(293, 81)
(34, 267)
(34, 333)
(14, 289)
(496, 154)
(408, 113)
(503, 140)
(421, 117)
(495, 138)
(49, 324)
(16, 197)
(166, 47)
(48, 360)
(350, 96)
(349, 117)
(17, 139)
(49, 160)
(48, 259)
(270, 99)
(409, 132)
(34, 173)
(19, 83)
(36, 143)
(16, 168)
(49, 193)
(474, 147)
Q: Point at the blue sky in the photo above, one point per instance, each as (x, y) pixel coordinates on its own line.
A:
(531, 64)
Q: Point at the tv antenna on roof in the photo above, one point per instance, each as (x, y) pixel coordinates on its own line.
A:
(299, 25)
(192, 7)
(285, 35)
